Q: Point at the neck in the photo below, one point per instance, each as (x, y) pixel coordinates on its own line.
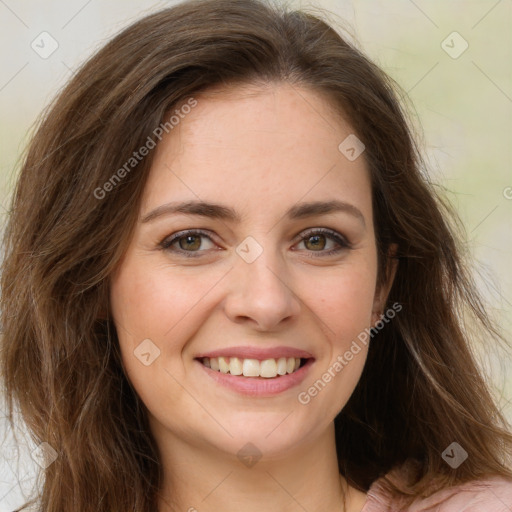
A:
(205, 479)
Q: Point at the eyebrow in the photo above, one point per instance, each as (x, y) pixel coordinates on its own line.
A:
(218, 211)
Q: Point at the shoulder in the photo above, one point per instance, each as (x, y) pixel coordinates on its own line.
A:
(490, 495)
(493, 494)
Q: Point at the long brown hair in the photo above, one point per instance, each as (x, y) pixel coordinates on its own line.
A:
(421, 388)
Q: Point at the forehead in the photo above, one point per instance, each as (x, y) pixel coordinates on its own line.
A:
(260, 146)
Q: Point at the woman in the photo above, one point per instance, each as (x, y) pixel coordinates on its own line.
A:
(239, 290)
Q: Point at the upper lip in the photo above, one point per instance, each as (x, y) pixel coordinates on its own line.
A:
(259, 353)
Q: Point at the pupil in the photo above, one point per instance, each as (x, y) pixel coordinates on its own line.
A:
(316, 237)
(191, 237)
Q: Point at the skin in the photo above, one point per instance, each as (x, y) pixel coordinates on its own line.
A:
(258, 149)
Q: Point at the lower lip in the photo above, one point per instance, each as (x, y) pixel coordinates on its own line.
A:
(259, 386)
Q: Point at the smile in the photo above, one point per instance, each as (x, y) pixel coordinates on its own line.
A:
(267, 368)
(255, 377)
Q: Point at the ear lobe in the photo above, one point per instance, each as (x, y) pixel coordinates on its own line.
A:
(381, 294)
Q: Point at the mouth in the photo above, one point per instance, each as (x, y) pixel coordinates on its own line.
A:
(246, 367)
(258, 375)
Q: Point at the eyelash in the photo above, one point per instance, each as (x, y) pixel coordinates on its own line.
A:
(343, 243)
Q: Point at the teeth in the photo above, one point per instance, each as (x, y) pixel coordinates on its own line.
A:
(223, 364)
(268, 368)
(251, 368)
(281, 366)
(235, 366)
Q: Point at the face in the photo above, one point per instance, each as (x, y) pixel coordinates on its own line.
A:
(282, 269)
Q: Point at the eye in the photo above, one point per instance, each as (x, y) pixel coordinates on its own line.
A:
(189, 243)
(317, 240)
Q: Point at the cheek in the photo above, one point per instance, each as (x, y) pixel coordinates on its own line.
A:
(149, 308)
(344, 302)
(156, 302)
(166, 306)
(348, 313)
(345, 311)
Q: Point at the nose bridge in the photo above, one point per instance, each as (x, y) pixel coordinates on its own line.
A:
(261, 288)
(260, 266)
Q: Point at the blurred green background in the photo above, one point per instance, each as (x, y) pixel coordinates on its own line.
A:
(462, 99)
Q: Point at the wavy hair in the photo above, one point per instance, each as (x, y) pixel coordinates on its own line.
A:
(421, 387)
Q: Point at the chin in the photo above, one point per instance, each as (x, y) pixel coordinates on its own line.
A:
(259, 434)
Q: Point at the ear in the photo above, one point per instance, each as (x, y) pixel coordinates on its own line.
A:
(381, 293)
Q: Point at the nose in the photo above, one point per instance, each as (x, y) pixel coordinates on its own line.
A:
(261, 293)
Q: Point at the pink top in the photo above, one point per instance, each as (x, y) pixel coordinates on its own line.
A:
(493, 494)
